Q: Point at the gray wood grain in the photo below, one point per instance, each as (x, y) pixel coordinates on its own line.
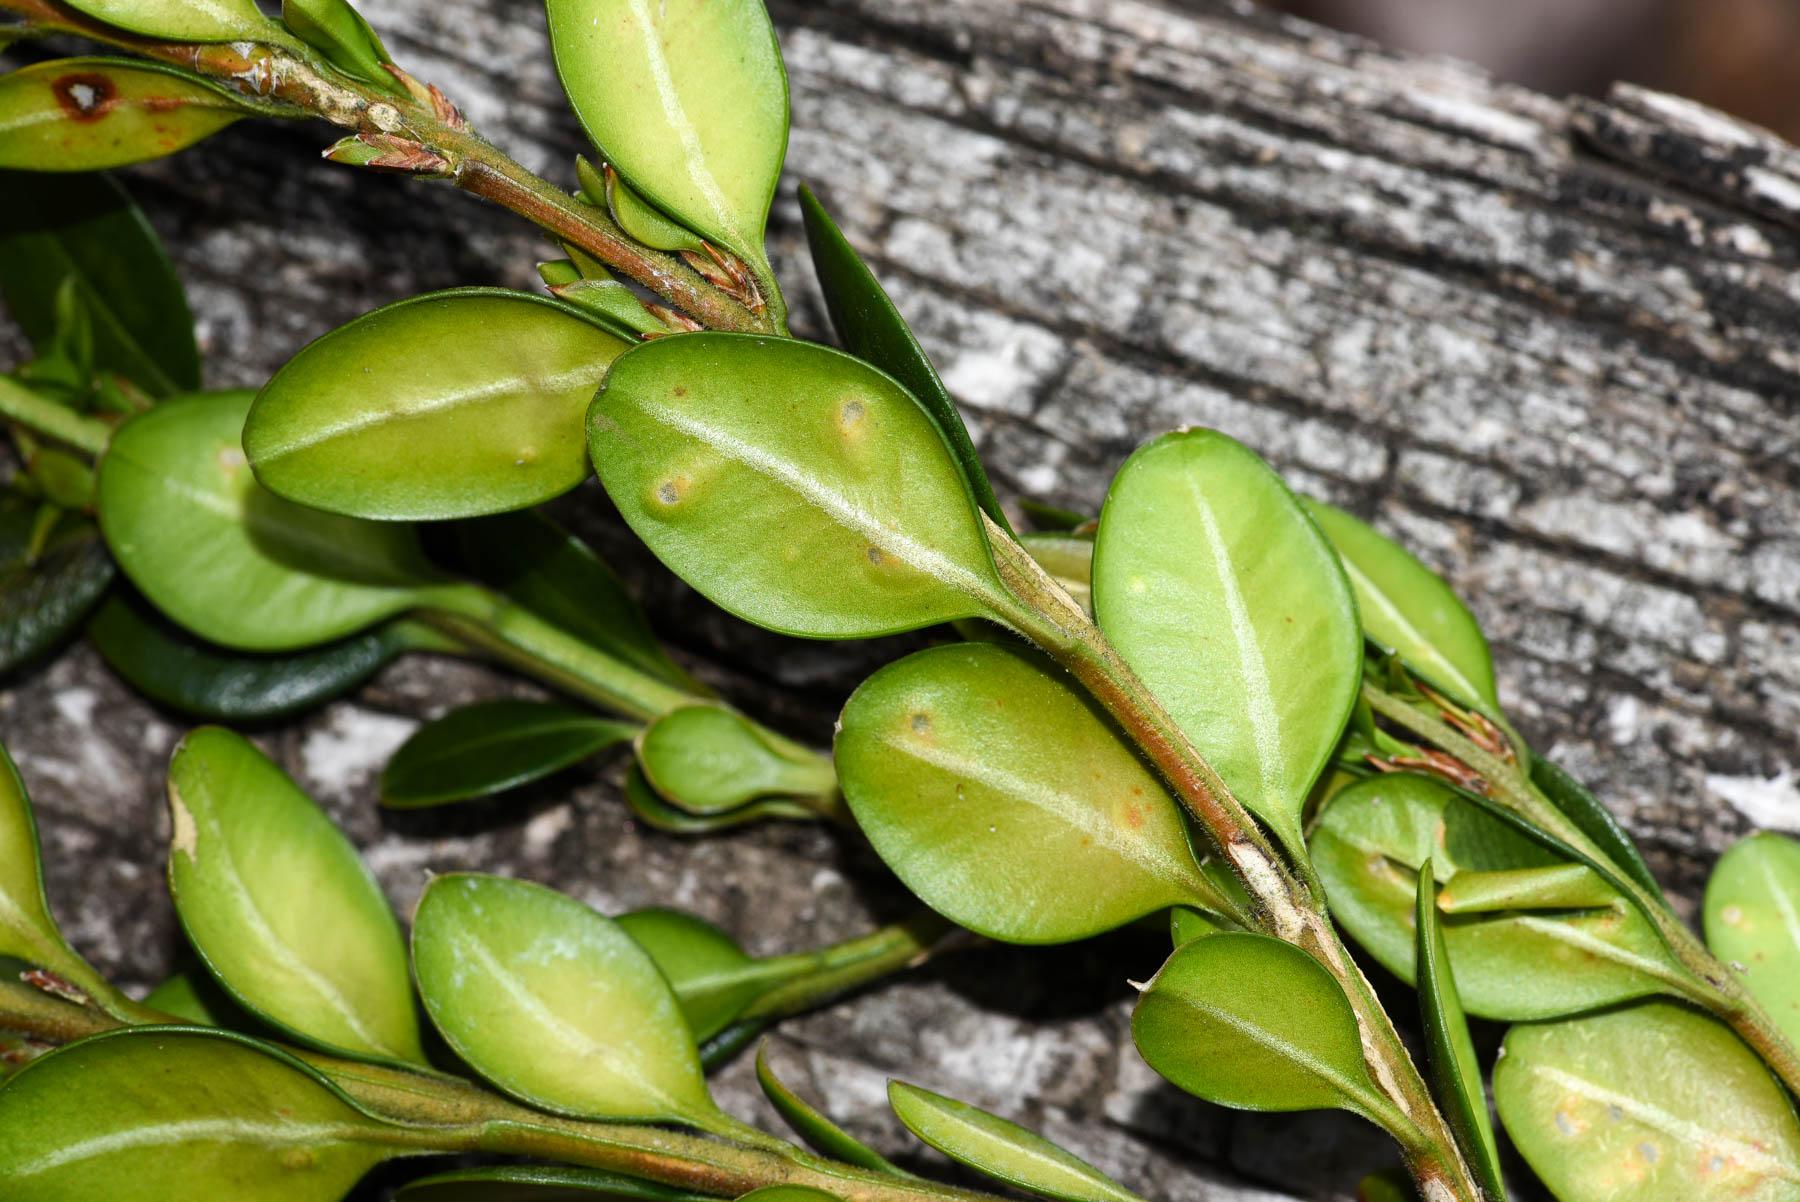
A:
(1550, 344)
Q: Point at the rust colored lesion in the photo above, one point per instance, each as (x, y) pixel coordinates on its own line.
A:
(85, 96)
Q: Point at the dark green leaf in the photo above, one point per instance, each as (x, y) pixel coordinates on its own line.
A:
(1215, 586)
(871, 328)
(183, 1112)
(85, 114)
(175, 669)
(539, 1183)
(57, 227)
(1001, 1149)
(757, 467)
(1004, 798)
(709, 760)
(43, 600)
(819, 1132)
(279, 906)
(493, 746)
(1753, 922)
(1593, 819)
(447, 405)
(1455, 1072)
(554, 1003)
(1368, 846)
(1391, 1185)
(1649, 1103)
(1251, 1022)
(556, 576)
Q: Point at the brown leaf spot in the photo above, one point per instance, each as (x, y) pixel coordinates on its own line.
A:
(85, 96)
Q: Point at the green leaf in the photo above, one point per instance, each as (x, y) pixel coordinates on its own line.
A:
(819, 1132)
(788, 1193)
(539, 1183)
(183, 20)
(227, 559)
(54, 228)
(279, 906)
(1562, 886)
(1389, 1185)
(1455, 1072)
(688, 100)
(643, 222)
(1005, 800)
(493, 746)
(341, 34)
(1254, 1023)
(704, 438)
(86, 114)
(1408, 609)
(613, 303)
(1069, 560)
(1368, 846)
(1001, 1149)
(193, 995)
(1593, 820)
(1229, 603)
(709, 760)
(650, 809)
(871, 328)
(43, 598)
(1651, 1103)
(712, 977)
(556, 576)
(173, 668)
(1753, 922)
(555, 1004)
(184, 1112)
(1187, 924)
(28, 932)
(447, 405)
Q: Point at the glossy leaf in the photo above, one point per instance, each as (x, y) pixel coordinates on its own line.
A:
(819, 1132)
(1408, 609)
(708, 760)
(1001, 1149)
(1006, 801)
(1651, 1103)
(1593, 819)
(688, 100)
(613, 303)
(183, 1112)
(54, 228)
(556, 576)
(182, 20)
(493, 746)
(538, 1183)
(712, 977)
(642, 221)
(1254, 1023)
(649, 808)
(1229, 603)
(1455, 1072)
(44, 599)
(555, 1004)
(279, 906)
(871, 328)
(173, 668)
(1562, 886)
(1753, 922)
(1368, 846)
(447, 405)
(85, 114)
(27, 931)
(341, 34)
(843, 477)
(1187, 924)
(227, 559)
